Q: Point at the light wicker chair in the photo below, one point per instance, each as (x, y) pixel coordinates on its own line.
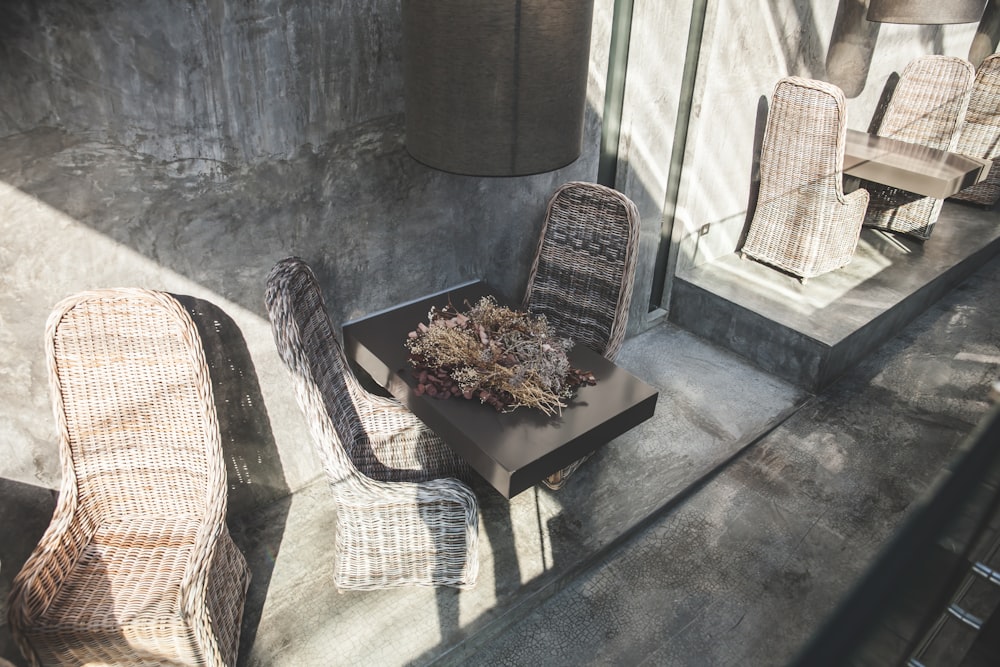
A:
(927, 107)
(137, 566)
(403, 517)
(980, 136)
(804, 223)
(583, 272)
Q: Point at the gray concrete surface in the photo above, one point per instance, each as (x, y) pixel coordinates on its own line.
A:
(811, 333)
(738, 569)
(530, 545)
(746, 568)
(188, 146)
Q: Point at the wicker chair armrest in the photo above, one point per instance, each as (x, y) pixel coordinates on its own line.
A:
(446, 491)
(857, 199)
(49, 563)
(437, 520)
(426, 501)
(211, 525)
(195, 581)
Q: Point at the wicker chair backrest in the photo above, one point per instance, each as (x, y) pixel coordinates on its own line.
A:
(981, 132)
(133, 403)
(980, 136)
(803, 148)
(324, 384)
(584, 267)
(929, 102)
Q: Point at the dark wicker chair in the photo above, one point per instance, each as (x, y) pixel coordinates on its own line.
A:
(137, 566)
(980, 136)
(804, 223)
(927, 107)
(583, 272)
(403, 517)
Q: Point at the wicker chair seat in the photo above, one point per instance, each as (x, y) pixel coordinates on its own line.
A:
(137, 566)
(980, 136)
(927, 107)
(404, 515)
(804, 223)
(122, 597)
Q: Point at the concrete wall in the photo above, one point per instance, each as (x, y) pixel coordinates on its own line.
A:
(187, 146)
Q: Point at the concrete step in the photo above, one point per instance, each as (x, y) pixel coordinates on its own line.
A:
(811, 333)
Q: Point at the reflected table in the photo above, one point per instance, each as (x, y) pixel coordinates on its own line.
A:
(920, 169)
(512, 450)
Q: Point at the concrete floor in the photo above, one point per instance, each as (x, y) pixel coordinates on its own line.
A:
(744, 570)
(722, 531)
(712, 404)
(738, 569)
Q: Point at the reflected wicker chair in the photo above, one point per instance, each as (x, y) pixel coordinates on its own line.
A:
(402, 517)
(137, 566)
(582, 275)
(804, 223)
(927, 107)
(980, 136)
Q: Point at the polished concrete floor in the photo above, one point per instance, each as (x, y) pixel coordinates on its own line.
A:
(744, 570)
(721, 532)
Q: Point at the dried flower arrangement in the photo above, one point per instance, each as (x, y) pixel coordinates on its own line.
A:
(503, 357)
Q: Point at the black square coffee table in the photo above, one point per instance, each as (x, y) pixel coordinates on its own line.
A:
(513, 450)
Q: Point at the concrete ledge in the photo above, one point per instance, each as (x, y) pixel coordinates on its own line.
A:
(811, 333)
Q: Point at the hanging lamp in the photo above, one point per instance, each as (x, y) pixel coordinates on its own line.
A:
(496, 88)
(926, 12)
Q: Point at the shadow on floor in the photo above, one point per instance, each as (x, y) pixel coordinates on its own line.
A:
(25, 512)
(256, 479)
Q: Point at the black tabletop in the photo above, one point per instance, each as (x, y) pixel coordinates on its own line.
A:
(512, 450)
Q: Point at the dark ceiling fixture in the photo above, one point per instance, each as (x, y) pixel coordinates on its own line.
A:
(496, 88)
(926, 12)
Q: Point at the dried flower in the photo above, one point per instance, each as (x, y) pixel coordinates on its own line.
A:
(503, 357)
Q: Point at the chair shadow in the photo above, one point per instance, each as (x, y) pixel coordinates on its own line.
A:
(259, 497)
(763, 108)
(883, 103)
(25, 513)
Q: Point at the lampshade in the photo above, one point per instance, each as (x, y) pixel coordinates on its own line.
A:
(926, 12)
(495, 88)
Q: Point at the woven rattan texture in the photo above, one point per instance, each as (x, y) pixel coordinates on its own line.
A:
(403, 516)
(137, 566)
(980, 136)
(584, 268)
(927, 107)
(803, 222)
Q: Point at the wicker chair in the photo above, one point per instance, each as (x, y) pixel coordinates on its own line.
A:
(137, 566)
(927, 107)
(402, 517)
(581, 278)
(804, 223)
(980, 136)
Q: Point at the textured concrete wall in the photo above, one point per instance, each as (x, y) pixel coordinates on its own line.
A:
(187, 146)
(214, 80)
(747, 47)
